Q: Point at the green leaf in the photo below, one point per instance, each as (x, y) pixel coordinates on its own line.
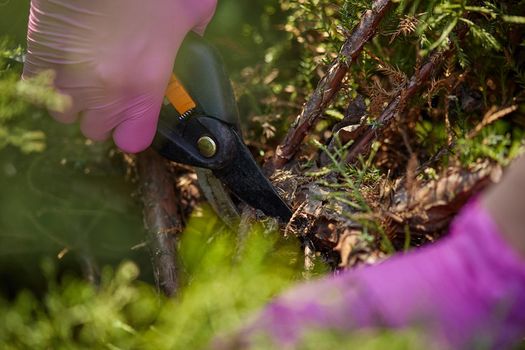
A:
(513, 19)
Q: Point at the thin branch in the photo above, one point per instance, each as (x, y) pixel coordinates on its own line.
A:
(421, 77)
(490, 117)
(330, 84)
(363, 143)
(161, 218)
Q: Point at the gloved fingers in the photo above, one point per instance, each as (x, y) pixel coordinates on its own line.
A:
(142, 94)
(102, 114)
(206, 8)
(139, 123)
(62, 32)
(133, 121)
(112, 58)
(97, 123)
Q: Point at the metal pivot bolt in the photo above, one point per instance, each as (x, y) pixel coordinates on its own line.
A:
(207, 146)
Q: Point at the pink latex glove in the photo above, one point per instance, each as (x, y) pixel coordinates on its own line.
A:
(466, 291)
(114, 58)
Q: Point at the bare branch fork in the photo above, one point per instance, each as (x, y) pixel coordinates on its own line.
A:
(330, 84)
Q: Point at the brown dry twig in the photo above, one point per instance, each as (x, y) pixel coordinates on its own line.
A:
(490, 117)
(161, 218)
(362, 144)
(330, 84)
(407, 25)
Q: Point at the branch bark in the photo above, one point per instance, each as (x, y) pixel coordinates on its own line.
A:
(330, 84)
(162, 218)
(362, 144)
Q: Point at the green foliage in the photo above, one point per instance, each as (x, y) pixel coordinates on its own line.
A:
(225, 281)
(315, 30)
(16, 98)
(13, 107)
(354, 182)
(453, 103)
(499, 142)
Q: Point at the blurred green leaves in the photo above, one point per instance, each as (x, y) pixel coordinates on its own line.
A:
(225, 282)
(39, 91)
(13, 106)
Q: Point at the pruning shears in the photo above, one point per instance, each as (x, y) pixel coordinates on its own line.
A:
(199, 126)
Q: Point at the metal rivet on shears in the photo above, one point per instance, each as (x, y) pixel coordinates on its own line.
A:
(207, 146)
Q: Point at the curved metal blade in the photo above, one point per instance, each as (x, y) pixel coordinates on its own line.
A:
(245, 179)
(218, 197)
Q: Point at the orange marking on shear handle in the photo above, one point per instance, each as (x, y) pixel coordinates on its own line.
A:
(179, 97)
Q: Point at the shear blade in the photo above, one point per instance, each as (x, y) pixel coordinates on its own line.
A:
(218, 197)
(244, 179)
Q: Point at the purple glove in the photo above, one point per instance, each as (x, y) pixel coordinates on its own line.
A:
(114, 58)
(467, 289)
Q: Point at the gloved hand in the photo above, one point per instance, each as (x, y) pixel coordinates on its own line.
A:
(466, 291)
(114, 58)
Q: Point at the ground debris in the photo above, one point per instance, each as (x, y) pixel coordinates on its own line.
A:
(412, 207)
(428, 206)
(354, 250)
